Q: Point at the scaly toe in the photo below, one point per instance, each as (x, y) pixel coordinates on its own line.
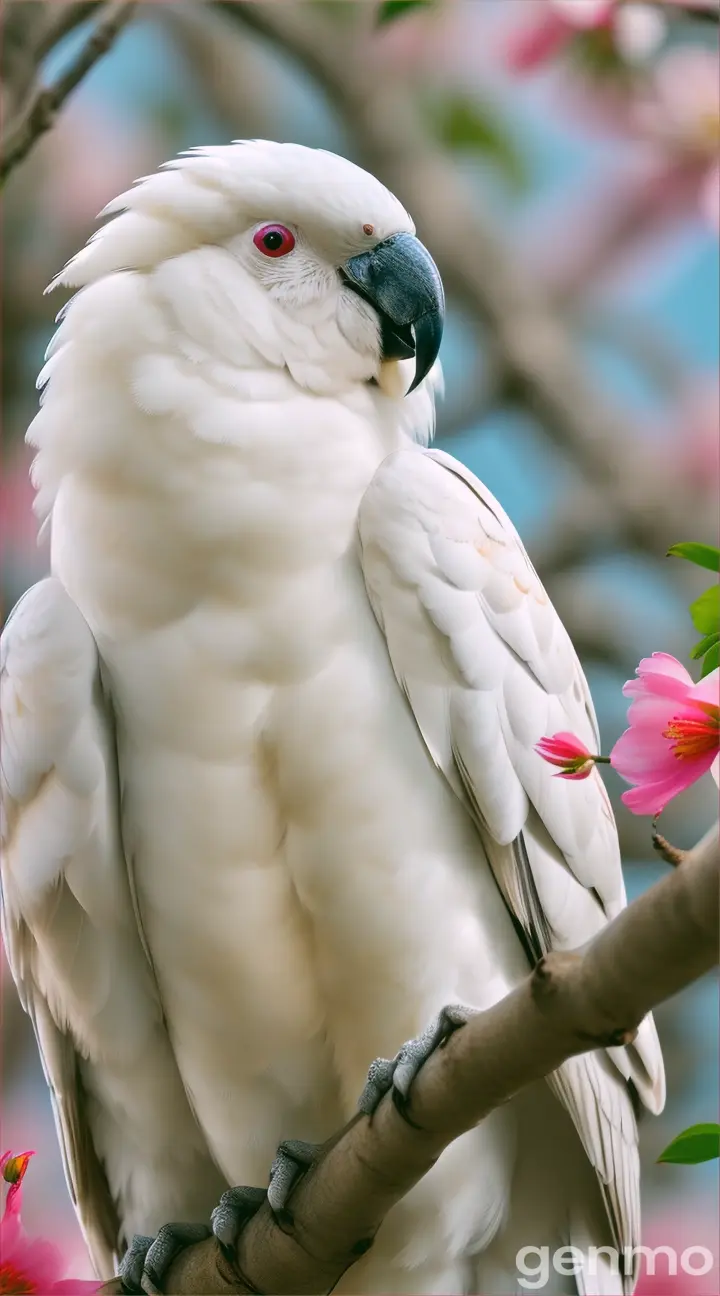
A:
(170, 1241)
(235, 1208)
(292, 1159)
(132, 1264)
(415, 1053)
(379, 1082)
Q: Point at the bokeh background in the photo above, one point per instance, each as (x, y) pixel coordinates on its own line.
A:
(560, 159)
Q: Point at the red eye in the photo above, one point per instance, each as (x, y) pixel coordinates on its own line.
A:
(274, 240)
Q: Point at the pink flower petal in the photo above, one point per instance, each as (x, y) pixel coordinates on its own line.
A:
(708, 690)
(650, 712)
(565, 746)
(650, 798)
(584, 772)
(637, 757)
(661, 676)
(654, 794)
(662, 663)
(34, 1257)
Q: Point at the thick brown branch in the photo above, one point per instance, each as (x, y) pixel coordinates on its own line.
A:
(45, 102)
(571, 1003)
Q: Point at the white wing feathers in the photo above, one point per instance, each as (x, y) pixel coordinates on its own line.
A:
(71, 937)
(488, 670)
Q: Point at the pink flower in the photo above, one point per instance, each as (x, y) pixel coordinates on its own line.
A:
(549, 34)
(674, 734)
(565, 750)
(30, 1265)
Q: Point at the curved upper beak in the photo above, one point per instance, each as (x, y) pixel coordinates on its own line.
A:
(400, 279)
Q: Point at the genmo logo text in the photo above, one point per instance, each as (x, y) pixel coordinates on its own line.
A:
(536, 1263)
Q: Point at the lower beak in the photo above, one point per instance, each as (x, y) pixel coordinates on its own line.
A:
(400, 280)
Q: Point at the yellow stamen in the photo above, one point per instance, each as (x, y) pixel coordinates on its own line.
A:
(12, 1280)
(692, 738)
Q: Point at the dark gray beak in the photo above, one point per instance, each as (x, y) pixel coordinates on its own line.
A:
(400, 279)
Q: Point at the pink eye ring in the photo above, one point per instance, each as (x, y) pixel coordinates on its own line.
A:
(274, 240)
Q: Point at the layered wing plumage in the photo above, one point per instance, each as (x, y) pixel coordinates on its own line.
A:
(488, 670)
(131, 1148)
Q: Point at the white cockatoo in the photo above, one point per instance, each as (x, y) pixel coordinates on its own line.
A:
(271, 798)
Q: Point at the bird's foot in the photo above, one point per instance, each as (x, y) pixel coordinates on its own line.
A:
(235, 1208)
(397, 1074)
(292, 1159)
(147, 1260)
(238, 1205)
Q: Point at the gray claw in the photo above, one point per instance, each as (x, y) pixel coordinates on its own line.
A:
(235, 1208)
(133, 1263)
(379, 1081)
(147, 1260)
(292, 1159)
(398, 1075)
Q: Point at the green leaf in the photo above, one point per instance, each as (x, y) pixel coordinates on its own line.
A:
(711, 661)
(698, 1143)
(705, 611)
(704, 645)
(595, 52)
(389, 10)
(461, 122)
(700, 554)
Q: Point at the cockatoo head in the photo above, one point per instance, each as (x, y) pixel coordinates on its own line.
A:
(281, 254)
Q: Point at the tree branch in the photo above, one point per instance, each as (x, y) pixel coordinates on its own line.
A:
(44, 102)
(570, 1004)
(62, 20)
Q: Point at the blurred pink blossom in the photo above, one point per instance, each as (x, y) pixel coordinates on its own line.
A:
(692, 447)
(637, 29)
(692, 1232)
(553, 28)
(47, 1209)
(681, 111)
(674, 733)
(30, 1264)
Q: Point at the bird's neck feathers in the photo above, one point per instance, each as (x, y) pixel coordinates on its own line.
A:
(160, 382)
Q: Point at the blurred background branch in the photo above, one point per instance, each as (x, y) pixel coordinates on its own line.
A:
(44, 102)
